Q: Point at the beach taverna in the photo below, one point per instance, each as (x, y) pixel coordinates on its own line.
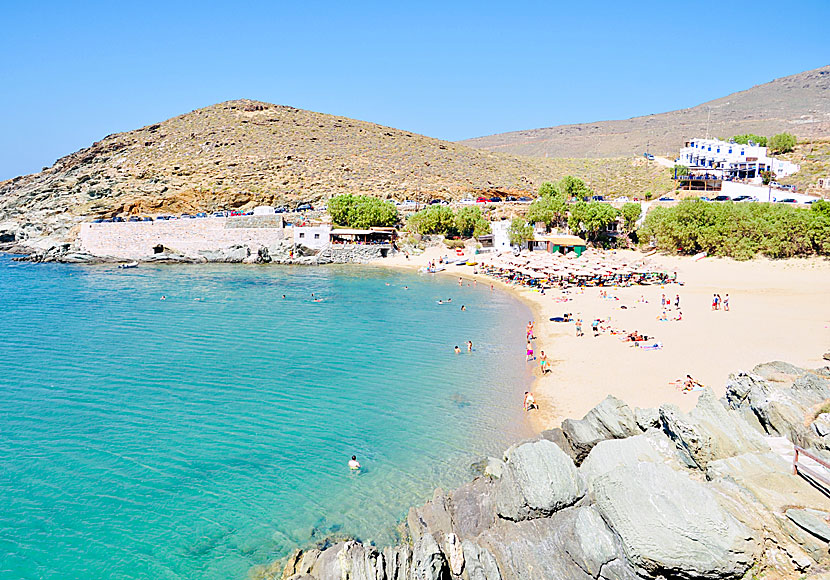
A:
(558, 244)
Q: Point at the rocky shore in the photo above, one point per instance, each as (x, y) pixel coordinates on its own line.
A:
(627, 493)
(282, 252)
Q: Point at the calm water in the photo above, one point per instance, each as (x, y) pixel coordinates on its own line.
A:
(186, 438)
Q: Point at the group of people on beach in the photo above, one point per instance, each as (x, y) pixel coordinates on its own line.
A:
(719, 303)
(530, 331)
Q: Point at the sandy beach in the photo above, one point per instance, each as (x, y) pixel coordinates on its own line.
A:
(779, 310)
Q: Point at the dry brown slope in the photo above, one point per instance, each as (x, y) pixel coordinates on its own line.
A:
(243, 153)
(799, 104)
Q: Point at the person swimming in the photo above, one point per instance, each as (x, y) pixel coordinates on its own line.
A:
(457, 350)
(163, 298)
(463, 307)
(283, 296)
(354, 464)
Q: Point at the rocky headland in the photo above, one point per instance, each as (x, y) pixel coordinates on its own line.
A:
(627, 493)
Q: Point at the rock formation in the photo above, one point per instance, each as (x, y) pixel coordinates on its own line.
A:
(708, 494)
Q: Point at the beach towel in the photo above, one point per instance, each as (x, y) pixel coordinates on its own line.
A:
(655, 346)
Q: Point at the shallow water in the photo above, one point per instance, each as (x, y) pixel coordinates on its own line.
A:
(186, 438)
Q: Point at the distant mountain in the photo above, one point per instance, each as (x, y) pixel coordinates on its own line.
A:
(799, 104)
(243, 153)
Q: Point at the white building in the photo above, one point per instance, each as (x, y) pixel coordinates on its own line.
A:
(732, 160)
(313, 236)
(501, 236)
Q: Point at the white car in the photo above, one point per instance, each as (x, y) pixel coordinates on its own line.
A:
(623, 198)
(467, 201)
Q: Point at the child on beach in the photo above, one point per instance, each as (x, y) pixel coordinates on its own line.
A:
(530, 401)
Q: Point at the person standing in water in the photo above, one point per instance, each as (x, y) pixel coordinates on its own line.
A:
(354, 464)
(457, 350)
(469, 346)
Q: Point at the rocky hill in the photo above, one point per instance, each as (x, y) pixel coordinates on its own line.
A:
(799, 104)
(239, 154)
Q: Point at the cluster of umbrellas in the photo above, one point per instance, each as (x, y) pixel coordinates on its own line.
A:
(592, 264)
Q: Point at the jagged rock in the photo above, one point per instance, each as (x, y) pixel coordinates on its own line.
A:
(538, 480)
(349, 560)
(573, 543)
(398, 561)
(556, 435)
(432, 517)
(611, 419)
(647, 418)
(710, 431)
(428, 563)
(454, 552)
(471, 508)
(670, 524)
(479, 563)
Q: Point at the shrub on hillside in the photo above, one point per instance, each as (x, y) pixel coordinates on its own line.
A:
(747, 137)
(782, 143)
(436, 219)
(469, 222)
(738, 230)
(362, 211)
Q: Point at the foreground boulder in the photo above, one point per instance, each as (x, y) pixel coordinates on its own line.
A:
(671, 525)
(538, 479)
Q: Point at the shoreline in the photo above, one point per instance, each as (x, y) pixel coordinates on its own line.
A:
(779, 312)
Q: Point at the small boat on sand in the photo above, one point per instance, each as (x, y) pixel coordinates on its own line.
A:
(128, 265)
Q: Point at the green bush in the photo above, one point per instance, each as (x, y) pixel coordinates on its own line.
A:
(469, 222)
(362, 211)
(436, 219)
(747, 137)
(591, 219)
(738, 230)
(452, 244)
(782, 143)
(519, 231)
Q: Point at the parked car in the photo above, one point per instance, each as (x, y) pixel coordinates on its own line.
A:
(98, 221)
(704, 198)
(623, 198)
(481, 200)
(811, 201)
(118, 219)
(597, 198)
(648, 156)
(787, 200)
(666, 198)
(186, 216)
(743, 198)
(467, 201)
(722, 198)
(435, 201)
(281, 209)
(201, 214)
(495, 199)
(509, 198)
(525, 199)
(304, 207)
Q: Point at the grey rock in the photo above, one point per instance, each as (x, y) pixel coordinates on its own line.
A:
(710, 431)
(573, 543)
(611, 419)
(538, 480)
(813, 521)
(428, 562)
(471, 508)
(672, 525)
(479, 563)
(821, 425)
(647, 418)
(652, 446)
(556, 435)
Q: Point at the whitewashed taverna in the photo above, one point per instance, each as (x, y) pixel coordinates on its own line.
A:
(732, 160)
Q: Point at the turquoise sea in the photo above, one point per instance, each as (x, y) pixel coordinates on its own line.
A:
(202, 435)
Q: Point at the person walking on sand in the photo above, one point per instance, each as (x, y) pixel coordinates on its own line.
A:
(714, 302)
(543, 362)
(663, 300)
(579, 327)
(354, 464)
(726, 303)
(529, 355)
(677, 301)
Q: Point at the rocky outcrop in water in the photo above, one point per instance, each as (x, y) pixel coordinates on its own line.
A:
(627, 493)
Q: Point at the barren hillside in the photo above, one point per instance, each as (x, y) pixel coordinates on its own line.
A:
(239, 154)
(799, 104)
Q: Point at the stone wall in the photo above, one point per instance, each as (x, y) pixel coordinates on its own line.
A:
(190, 237)
(255, 221)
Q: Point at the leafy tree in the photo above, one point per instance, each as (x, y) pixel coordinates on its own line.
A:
(436, 219)
(590, 219)
(631, 213)
(821, 207)
(767, 176)
(362, 211)
(782, 143)
(747, 137)
(466, 220)
(482, 228)
(519, 231)
(573, 187)
(680, 170)
(550, 208)
(548, 188)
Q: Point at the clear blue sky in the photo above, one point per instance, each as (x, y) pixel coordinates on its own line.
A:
(73, 72)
